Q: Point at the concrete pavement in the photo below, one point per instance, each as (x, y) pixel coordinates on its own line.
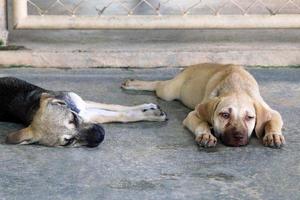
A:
(152, 160)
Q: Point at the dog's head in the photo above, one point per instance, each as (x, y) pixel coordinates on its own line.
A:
(233, 118)
(54, 124)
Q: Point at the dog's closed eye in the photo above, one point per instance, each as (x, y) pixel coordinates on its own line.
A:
(68, 141)
(249, 117)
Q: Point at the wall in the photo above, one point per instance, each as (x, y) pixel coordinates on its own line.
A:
(206, 36)
(175, 42)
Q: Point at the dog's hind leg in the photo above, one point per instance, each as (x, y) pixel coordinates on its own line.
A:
(140, 85)
(167, 90)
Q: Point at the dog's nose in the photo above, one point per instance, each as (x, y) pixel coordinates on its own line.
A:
(95, 135)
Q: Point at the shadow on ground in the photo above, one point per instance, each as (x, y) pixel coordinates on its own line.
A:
(152, 160)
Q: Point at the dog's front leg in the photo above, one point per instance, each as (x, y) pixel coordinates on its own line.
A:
(201, 130)
(273, 136)
(145, 112)
(268, 125)
(114, 107)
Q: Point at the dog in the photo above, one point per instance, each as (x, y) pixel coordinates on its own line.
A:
(226, 104)
(60, 118)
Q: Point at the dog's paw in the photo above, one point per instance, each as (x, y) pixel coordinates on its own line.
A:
(206, 140)
(153, 112)
(129, 84)
(273, 140)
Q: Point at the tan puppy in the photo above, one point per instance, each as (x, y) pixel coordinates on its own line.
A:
(224, 97)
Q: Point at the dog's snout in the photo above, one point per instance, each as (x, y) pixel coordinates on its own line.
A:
(95, 135)
(233, 137)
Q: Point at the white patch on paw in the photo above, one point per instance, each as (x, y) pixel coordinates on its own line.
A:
(154, 113)
(149, 106)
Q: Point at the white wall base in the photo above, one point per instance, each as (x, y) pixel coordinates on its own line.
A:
(276, 56)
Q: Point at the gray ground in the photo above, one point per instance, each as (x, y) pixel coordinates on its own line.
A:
(152, 160)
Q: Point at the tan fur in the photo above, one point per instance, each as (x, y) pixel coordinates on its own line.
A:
(23, 136)
(210, 89)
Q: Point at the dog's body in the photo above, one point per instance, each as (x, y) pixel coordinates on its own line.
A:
(225, 97)
(57, 118)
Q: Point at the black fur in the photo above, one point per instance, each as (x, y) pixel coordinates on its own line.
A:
(94, 135)
(19, 100)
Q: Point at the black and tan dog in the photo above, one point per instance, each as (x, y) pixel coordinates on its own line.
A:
(224, 97)
(62, 118)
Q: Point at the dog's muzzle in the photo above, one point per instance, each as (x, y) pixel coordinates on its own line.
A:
(234, 138)
(92, 135)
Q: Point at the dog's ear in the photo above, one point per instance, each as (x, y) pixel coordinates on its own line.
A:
(45, 95)
(53, 100)
(58, 102)
(263, 115)
(206, 110)
(23, 136)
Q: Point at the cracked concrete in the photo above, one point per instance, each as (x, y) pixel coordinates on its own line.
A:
(152, 160)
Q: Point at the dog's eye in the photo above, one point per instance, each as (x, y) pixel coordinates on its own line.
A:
(248, 118)
(225, 115)
(68, 141)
